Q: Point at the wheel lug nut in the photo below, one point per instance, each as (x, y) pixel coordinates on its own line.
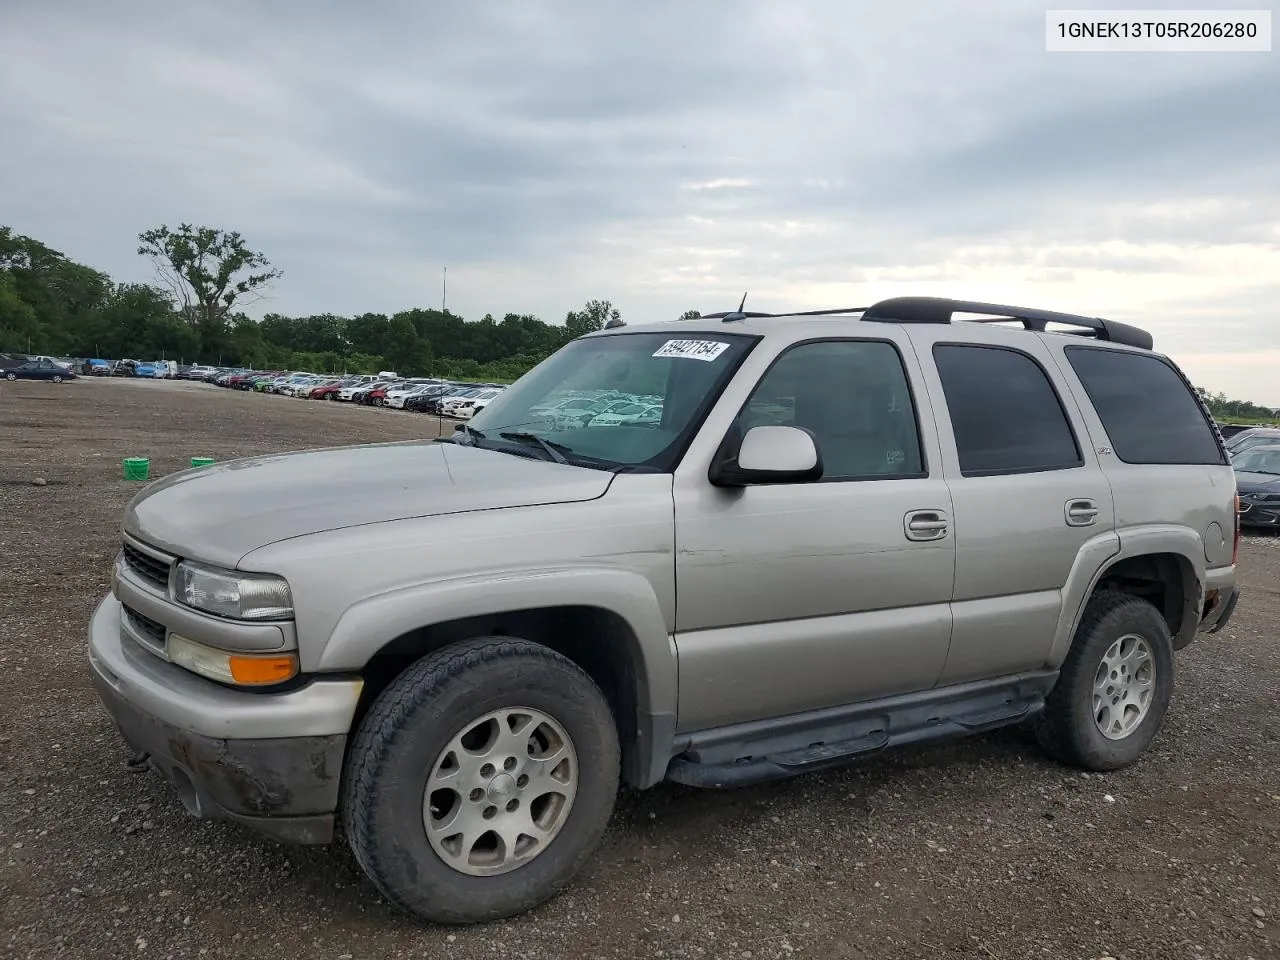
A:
(509, 764)
(512, 805)
(489, 812)
(477, 795)
(486, 770)
(522, 781)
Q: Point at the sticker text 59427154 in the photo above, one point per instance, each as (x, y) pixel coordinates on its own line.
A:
(692, 349)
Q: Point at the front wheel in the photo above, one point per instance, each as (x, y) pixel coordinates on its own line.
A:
(481, 780)
(57, 379)
(1115, 686)
(11, 375)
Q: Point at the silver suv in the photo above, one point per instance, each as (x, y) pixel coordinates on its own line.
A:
(847, 531)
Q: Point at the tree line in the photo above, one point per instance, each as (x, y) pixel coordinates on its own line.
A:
(195, 313)
(52, 305)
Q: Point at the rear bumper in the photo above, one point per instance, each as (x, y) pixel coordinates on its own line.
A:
(1221, 595)
(1225, 609)
(270, 761)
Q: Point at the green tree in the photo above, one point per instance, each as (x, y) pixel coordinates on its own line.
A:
(367, 334)
(591, 317)
(406, 352)
(209, 272)
(19, 328)
(691, 315)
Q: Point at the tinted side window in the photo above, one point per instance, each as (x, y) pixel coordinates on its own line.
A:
(1005, 414)
(853, 395)
(1148, 410)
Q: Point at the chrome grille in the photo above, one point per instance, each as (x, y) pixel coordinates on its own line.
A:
(146, 567)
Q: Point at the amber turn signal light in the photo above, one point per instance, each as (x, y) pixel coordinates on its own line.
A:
(259, 670)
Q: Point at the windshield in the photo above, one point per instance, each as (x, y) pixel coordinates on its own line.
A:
(1252, 440)
(558, 400)
(1264, 460)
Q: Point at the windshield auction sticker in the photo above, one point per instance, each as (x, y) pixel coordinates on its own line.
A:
(692, 349)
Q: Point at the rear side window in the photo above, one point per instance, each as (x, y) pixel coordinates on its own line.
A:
(1146, 407)
(1005, 414)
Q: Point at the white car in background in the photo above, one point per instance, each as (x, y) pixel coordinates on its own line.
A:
(454, 406)
(292, 386)
(348, 393)
(616, 414)
(470, 406)
(397, 395)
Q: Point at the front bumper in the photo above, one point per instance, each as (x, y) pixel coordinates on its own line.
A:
(271, 761)
(1259, 513)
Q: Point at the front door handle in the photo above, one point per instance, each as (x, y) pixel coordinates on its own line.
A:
(925, 525)
(1081, 513)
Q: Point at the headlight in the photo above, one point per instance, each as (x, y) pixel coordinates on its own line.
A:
(230, 593)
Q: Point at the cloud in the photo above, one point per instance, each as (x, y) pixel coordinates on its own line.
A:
(667, 156)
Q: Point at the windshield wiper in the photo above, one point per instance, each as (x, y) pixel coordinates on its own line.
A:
(553, 450)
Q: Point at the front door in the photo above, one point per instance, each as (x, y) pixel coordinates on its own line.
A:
(795, 597)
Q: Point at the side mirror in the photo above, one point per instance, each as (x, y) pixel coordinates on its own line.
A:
(769, 454)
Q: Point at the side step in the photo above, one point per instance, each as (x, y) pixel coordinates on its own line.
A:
(759, 752)
(752, 770)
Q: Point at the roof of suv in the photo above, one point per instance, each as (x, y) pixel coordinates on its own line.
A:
(931, 310)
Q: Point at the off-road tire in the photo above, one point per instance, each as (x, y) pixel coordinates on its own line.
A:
(1066, 729)
(404, 732)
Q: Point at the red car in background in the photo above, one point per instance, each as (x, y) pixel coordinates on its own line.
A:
(329, 391)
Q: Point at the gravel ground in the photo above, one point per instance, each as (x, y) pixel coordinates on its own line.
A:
(981, 849)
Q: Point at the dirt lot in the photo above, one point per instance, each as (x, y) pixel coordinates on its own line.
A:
(981, 849)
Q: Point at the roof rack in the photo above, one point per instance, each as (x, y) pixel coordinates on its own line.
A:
(939, 310)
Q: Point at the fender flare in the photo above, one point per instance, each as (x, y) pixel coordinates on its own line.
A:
(372, 622)
(1101, 553)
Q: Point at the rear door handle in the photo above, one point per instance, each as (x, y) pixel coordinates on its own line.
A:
(1081, 513)
(925, 525)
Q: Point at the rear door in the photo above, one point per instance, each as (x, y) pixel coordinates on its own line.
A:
(1162, 457)
(1026, 489)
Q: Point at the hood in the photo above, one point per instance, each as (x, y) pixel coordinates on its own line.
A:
(221, 512)
(1249, 482)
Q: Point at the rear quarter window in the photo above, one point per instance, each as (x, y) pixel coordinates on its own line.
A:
(1146, 406)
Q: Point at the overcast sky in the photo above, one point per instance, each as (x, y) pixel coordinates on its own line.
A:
(663, 155)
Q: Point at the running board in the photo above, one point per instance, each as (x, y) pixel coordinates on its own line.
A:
(762, 751)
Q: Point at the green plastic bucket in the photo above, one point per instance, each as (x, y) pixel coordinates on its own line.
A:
(137, 468)
(201, 461)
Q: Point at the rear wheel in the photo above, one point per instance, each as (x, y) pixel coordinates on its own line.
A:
(481, 780)
(11, 375)
(1114, 688)
(57, 379)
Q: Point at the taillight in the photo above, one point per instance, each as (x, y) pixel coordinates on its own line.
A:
(1235, 549)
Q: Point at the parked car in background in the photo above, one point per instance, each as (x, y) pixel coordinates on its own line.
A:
(628, 412)
(424, 401)
(1229, 430)
(1258, 484)
(358, 392)
(1251, 438)
(39, 370)
(198, 371)
(463, 407)
(329, 390)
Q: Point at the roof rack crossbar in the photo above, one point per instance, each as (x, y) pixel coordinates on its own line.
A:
(940, 310)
